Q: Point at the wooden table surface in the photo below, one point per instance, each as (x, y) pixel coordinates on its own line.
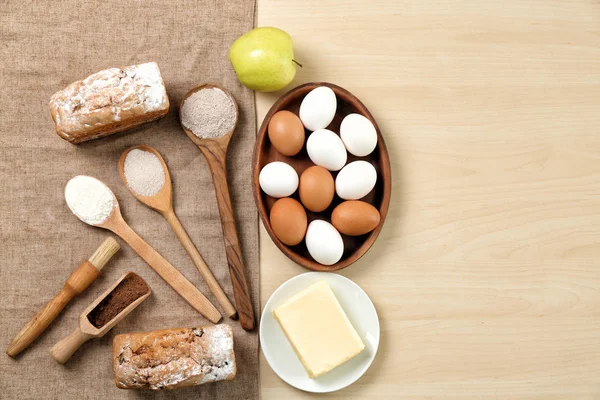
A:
(486, 276)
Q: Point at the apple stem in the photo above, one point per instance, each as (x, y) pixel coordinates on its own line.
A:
(297, 63)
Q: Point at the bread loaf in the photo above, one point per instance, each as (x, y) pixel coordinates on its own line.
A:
(109, 101)
(174, 358)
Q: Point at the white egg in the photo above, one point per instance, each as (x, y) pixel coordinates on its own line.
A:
(358, 134)
(318, 108)
(326, 149)
(355, 180)
(278, 179)
(324, 242)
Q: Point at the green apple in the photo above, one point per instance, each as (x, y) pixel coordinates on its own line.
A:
(263, 59)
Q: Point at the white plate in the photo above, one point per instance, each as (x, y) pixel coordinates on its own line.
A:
(281, 356)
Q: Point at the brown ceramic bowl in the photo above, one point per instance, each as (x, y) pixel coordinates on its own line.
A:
(264, 153)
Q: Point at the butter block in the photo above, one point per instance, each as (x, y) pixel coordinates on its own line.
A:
(318, 329)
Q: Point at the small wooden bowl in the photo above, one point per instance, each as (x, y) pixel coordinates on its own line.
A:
(264, 153)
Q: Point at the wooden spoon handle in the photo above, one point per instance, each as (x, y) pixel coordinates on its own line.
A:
(206, 273)
(168, 272)
(64, 349)
(216, 156)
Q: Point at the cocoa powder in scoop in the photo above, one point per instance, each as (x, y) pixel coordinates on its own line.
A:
(129, 290)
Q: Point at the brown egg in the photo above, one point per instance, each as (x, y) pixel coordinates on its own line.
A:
(288, 221)
(354, 218)
(316, 188)
(286, 133)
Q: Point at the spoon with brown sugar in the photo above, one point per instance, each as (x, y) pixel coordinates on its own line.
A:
(208, 116)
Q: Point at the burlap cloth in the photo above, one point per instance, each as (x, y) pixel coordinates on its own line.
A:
(43, 47)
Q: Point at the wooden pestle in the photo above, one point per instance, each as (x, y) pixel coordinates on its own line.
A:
(79, 280)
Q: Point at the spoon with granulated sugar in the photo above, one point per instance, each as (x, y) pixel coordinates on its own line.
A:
(95, 204)
(208, 116)
(146, 175)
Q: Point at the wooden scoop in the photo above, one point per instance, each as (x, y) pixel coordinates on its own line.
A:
(215, 152)
(163, 203)
(115, 223)
(63, 350)
(79, 280)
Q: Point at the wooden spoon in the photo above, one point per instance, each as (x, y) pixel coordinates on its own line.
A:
(215, 152)
(163, 203)
(115, 223)
(64, 349)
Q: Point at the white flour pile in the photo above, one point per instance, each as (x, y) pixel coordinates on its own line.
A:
(89, 199)
(144, 172)
(209, 113)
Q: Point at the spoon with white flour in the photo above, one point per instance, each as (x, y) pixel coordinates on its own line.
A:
(208, 116)
(95, 204)
(146, 175)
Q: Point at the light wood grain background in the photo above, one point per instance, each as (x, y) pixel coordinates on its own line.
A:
(486, 275)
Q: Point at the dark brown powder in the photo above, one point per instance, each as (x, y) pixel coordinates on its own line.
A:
(129, 290)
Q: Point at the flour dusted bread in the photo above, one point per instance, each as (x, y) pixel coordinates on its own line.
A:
(109, 101)
(174, 358)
